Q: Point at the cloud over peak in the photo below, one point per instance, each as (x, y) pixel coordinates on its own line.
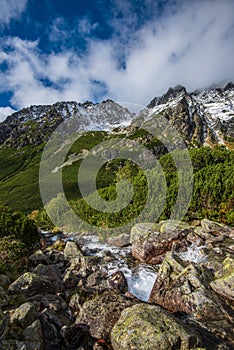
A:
(188, 42)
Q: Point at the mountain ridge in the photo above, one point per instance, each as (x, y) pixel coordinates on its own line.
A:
(203, 117)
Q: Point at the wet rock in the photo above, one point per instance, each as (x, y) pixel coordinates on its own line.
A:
(101, 313)
(150, 327)
(24, 315)
(72, 250)
(31, 284)
(150, 241)
(120, 241)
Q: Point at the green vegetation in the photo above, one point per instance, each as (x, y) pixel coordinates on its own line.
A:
(213, 192)
(18, 233)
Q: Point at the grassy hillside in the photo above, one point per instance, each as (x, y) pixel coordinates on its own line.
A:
(213, 194)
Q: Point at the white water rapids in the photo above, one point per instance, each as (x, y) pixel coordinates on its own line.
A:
(140, 277)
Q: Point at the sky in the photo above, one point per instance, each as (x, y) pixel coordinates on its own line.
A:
(126, 50)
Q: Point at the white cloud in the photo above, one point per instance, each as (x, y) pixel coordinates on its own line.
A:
(5, 112)
(11, 9)
(86, 27)
(190, 44)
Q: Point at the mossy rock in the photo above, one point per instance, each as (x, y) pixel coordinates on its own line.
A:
(149, 327)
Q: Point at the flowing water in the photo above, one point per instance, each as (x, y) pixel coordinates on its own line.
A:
(140, 277)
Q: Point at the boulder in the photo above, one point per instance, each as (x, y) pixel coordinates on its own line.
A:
(214, 227)
(183, 287)
(52, 302)
(4, 321)
(31, 284)
(24, 315)
(117, 281)
(4, 299)
(120, 241)
(33, 332)
(72, 250)
(150, 242)
(40, 257)
(101, 313)
(77, 337)
(4, 281)
(51, 335)
(150, 327)
(53, 271)
(224, 284)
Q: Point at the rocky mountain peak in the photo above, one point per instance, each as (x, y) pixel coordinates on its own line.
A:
(34, 125)
(172, 93)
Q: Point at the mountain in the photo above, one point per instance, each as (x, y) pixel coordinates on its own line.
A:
(34, 125)
(203, 118)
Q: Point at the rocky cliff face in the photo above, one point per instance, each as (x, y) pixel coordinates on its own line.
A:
(203, 117)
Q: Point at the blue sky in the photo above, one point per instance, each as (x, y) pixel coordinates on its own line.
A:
(129, 51)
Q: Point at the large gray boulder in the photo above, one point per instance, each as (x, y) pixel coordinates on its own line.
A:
(31, 284)
(150, 327)
(25, 315)
(101, 313)
(72, 251)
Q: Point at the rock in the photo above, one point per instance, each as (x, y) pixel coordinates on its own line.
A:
(53, 271)
(31, 284)
(52, 302)
(118, 281)
(33, 332)
(120, 241)
(5, 281)
(39, 257)
(75, 302)
(101, 313)
(19, 345)
(4, 321)
(4, 299)
(24, 315)
(151, 241)
(150, 327)
(214, 227)
(70, 280)
(72, 250)
(224, 284)
(184, 288)
(51, 336)
(77, 337)
(180, 287)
